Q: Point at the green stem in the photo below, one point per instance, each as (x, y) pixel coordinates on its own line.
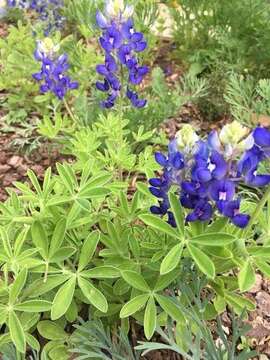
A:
(69, 111)
(257, 211)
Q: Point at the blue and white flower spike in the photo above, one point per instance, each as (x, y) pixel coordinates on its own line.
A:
(121, 43)
(209, 172)
(53, 76)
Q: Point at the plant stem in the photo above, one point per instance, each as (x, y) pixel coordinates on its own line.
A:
(69, 110)
(257, 211)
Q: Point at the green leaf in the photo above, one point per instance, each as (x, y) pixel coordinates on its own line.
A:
(259, 251)
(32, 341)
(20, 240)
(172, 259)
(34, 306)
(264, 267)
(170, 307)
(63, 298)
(102, 272)
(16, 332)
(40, 238)
(59, 352)
(159, 224)
(133, 305)
(135, 280)
(239, 303)
(58, 236)
(51, 330)
(177, 212)
(88, 249)
(34, 181)
(165, 280)
(17, 286)
(217, 225)
(213, 239)
(150, 318)
(94, 193)
(95, 297)
(5, 242)
(66, 177)
(40, 286)
(204, 263)
(246, 277)
(63, 254)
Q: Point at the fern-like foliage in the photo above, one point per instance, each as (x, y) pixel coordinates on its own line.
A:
(93, 341)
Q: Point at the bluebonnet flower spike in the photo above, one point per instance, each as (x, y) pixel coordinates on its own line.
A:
(121, 43)
(53, 70)
(208, 173)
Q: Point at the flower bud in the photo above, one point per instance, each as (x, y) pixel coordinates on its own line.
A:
(116, 8)
(232, 134)
(47, 47)
(186, 138)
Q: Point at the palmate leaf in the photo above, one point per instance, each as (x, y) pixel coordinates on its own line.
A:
(172, 259)
(63, 298)
(150, 318)
(16, 332)
(177, 212)
(213, 239)
(246, 277)
(204, 263)
(17, 286)
(34, 306)
(51, 330)
(88, 249)
(134, 305)
(135, 280)
(95, 297)
(58, 236)
(170, 307)
(159, 224)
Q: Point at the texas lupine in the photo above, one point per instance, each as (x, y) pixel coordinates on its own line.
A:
(49, 12)
(207, 173)
(121, 70)
(53, 74)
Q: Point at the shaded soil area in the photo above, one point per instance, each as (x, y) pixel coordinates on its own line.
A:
(14, 165)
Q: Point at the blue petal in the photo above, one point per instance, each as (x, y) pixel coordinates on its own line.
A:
(155, 182)
(161, 159)
(241, 220)
(262, 137)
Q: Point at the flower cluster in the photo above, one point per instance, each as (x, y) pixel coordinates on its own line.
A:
(53, 70)
(121, 43)
(49, 12)
(208, 173)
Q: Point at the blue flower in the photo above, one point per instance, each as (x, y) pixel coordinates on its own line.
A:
(134, 98)
(208, 177)
(53, 74)
(231, 209)
(121, 42)
(49, 12)
(203, 212)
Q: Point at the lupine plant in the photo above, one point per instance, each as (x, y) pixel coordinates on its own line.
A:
(48, 11)
(121, 43)
(53, 70)
(92, 253)
(208, 173)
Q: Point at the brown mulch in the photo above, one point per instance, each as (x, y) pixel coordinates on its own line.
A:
(14, 165)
